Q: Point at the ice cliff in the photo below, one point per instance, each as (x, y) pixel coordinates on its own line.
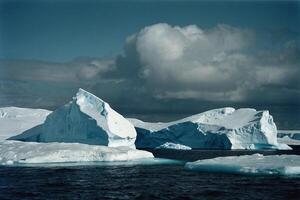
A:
(224, 128)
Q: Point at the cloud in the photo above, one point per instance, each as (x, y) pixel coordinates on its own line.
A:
(32, 83)
(216, 64)
(164, 68)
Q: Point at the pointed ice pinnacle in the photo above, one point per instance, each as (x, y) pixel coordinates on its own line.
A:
(86, 119)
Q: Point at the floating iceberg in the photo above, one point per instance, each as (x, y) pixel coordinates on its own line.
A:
(250, 164)
(293, 134)
(87, 119)
(224, 128)
(14, 152)
(289, 141)
(289, 137)
(169, 145)
(14, 120)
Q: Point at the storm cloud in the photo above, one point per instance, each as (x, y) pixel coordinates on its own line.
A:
(162, 65)
(217, 64)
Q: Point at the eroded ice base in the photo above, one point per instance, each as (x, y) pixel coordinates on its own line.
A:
(256, 164)
(14, 152)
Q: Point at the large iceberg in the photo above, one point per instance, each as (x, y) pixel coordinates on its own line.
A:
(249, 164)
(14, 120)
(86, 119)
(224, 128)
(14, 152)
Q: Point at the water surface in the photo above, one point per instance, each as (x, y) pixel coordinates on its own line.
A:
(167, 181)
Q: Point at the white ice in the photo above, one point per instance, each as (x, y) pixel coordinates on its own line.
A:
(86, 119)
(14, 120)
(14, 152)
(224, 128)
(169, 145)
(250, 164)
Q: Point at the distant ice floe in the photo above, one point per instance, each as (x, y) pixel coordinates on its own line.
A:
(256, 164)
(293, 134)
(169, 145)
(289, 137)
(289, 141)
(16, 152)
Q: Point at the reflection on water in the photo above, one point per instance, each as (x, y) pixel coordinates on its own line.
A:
(145, 161)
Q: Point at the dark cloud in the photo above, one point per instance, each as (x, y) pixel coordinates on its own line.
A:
(167, 69)
(212, 65)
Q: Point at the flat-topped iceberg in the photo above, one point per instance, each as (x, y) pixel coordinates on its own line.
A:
(254, 164)
(224, 128)
(14, 152)
(293, 134)
(14, 120)
(86, 119)
(289, 141)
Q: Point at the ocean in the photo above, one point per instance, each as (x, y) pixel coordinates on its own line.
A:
(159, 181)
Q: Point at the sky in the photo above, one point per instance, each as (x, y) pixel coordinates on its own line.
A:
(157, 60)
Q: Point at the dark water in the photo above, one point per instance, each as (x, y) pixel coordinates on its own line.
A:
(139, 182)
(200, 154)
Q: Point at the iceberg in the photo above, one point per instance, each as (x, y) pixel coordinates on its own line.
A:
(256, 164)
(224, 128)
(86, 119)
(16, 152)
(293, 134)
(289, 141)
(289, 137)
(169, 145)
(14, 120)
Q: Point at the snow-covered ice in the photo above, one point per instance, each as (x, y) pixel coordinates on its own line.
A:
(14, 152)
(86, 119)
(169, 145)
(224, 128)
(14, 120)
(250, 164)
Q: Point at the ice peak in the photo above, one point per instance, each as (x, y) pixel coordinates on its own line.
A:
(86, 119)
(81, 93)
(86, 99)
